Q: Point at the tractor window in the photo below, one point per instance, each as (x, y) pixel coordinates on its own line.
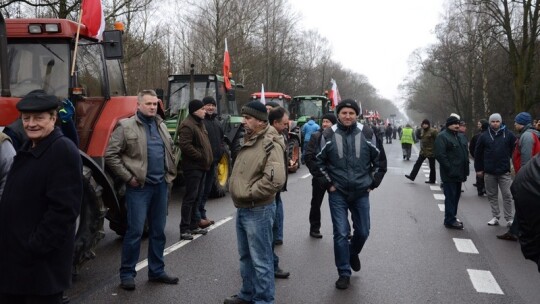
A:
(34, 66)
(90, 69)
(116, 80)
(179, 95)
(310, 108)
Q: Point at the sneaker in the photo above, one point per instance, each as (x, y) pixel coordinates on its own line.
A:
(199, 231)
(509, 223)
(354, 260)
(186, 236)
(493, 222)
(343, 282)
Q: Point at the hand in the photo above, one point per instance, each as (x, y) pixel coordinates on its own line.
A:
(332, 189)
(480, 173)
(67, 111)
(133, 182)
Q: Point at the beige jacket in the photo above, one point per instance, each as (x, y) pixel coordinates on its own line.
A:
(259, 170)
(126, 154)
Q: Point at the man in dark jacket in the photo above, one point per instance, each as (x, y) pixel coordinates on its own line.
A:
(39, 208)
(349, 168)
(427, 143)
(451, 153)
(492, 157)
(196, 160)
(317, 191)
(482, 126)
(215, 136)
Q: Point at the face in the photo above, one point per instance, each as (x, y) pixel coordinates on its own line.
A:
(38, 125)
(148, 106)
(479, 125)
(454, 127)
(200, 113)
(495, 124)
(210, 108)
(250, 123)
(326, 123)
(518, 127)
(347, 116)
(282, 124)
(425, 126)
(463, 128)
(268, 109)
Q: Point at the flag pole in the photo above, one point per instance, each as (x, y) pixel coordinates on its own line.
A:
(76, 43)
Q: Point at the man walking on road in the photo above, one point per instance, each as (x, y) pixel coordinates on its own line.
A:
(258, 174)
(492, 157)
(349, 168)
(427, 147)
(140, 153)
(451, 153)
(407, 140)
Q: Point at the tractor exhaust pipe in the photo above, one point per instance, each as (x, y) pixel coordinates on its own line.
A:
(4, 76)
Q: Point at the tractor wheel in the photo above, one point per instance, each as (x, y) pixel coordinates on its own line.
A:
(221, 179)
(237, 143)
(89, 230)
(293, 153)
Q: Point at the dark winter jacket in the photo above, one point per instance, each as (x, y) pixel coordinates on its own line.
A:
(215, 135)
(526, 192)
(38, 211)
(348, 161)
(451, 153)
(493, 151)
(194, 144)
(427, 142)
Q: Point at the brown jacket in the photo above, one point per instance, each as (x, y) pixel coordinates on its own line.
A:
(259, 170)
(194, 145)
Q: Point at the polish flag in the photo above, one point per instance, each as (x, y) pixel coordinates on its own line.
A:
(226, 67)
(334, 94)
(93, 18)
(263, 99)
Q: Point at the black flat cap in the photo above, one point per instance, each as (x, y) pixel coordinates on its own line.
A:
(37, 101)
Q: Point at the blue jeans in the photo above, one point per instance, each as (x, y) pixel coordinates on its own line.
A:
(278, 225)
(207, 185)
(452, 192)
(254, 233)
(148, 202)
(359, 209)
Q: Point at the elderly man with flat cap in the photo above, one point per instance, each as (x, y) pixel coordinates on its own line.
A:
(37, 223)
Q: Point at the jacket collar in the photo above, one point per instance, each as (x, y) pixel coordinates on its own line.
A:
(43, 145)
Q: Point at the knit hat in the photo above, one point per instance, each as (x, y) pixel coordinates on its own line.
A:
(495, 116)
(425, 122)
(452, 120)
(349, 103)
(209, 99)
(484, 123)
(331, 117)
(523, 118)
(195, 105)
(455, 115)
(255, 109)
(37, 101)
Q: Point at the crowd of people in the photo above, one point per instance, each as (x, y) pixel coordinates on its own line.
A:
(345, 158)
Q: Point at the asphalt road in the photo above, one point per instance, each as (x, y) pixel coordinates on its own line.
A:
(409, 257)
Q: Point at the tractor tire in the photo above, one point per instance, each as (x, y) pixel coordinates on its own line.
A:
(222, 174)
(293, 153)
(89, 230)
(237, 143)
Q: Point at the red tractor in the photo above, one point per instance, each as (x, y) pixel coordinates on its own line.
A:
(39, 54)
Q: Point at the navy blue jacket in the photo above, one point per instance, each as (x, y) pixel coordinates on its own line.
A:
(493, 151)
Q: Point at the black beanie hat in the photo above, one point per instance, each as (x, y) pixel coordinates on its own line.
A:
(255, 109)
(349, 103)
(452, 120)
(331, 117)
(195, 105)
(426, 122)
(484, 124)
(209, 99)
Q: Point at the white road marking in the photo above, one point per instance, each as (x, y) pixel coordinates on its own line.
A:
(427, 175)
(142, 264)
(305, 176)
(441, 207)
(439, 197)
(465, 246)
(435, 188)
(484, 282)
(426, 171)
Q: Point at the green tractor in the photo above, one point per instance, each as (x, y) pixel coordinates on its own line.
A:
(184, 88)
(305, 106)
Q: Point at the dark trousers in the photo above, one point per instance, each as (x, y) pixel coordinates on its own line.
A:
(208, 183)
(317, 196)
(31, 299)
(418, 165)
(194, 180)
(452, 193)
(480, 185)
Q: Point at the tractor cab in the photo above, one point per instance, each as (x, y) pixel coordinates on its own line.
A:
(306, 106)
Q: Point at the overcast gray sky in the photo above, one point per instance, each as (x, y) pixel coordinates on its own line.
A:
(374, 38)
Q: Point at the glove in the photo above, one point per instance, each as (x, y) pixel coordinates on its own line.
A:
(67, 111)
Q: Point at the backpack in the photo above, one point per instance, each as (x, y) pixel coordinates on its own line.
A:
(516, 155)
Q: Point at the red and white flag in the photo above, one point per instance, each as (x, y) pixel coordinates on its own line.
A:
(226, 67)
(93, 17)
(263, 99)
(334, 94)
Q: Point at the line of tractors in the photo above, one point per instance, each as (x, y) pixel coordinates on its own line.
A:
(39, 54)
